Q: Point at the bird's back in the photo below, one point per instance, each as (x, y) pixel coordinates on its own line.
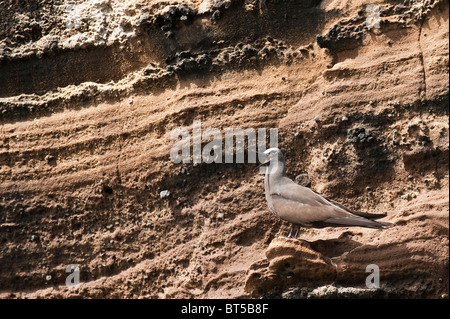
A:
(302, 206)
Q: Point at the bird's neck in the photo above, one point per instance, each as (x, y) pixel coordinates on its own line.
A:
(276, 169)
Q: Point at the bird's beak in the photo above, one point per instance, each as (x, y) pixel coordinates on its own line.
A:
(263, 164)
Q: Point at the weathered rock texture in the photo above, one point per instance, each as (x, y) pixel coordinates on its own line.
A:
(90, 91)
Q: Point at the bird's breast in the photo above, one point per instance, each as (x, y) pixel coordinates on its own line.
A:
(267, 192)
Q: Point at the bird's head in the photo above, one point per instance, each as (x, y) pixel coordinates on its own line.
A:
(272, 153)
(273, 156)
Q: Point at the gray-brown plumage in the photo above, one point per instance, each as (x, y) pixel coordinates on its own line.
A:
(303, 207)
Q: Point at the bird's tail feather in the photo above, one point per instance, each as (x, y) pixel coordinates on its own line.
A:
(361, 214)
(369, 215)
(384, 224)
(356, 221)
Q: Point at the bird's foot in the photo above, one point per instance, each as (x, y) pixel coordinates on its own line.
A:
(297, 231)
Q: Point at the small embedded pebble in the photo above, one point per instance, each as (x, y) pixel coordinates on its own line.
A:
(164, 194)
(149, 225)
(359, 135)
(215, 16)
(303, 180)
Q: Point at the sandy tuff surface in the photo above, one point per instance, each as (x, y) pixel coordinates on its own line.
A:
(90, 91)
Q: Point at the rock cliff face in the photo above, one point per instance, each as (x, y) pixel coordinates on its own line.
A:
(91, 90)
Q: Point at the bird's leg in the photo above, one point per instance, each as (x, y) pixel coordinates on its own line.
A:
(297, 231)
(290, 231)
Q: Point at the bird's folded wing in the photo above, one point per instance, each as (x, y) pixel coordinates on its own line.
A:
(291, 190)
(301, 205)
(306, 213)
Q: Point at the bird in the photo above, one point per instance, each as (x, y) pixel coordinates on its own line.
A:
(301, 206)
